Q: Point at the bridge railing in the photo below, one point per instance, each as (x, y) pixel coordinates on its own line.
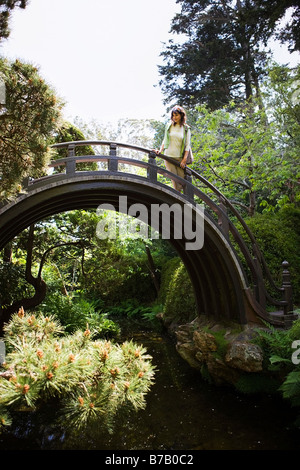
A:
(114, 161)
(223, 209)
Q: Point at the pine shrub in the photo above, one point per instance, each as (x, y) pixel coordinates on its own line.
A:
(94, 380)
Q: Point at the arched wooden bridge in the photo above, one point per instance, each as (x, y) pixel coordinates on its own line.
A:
(228, 273)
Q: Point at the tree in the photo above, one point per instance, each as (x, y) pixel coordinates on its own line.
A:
(231, 147)
(6, 7)
(220, 58)
(269, 13)
(36, 281)
(251, 153)
(27, 121)
(281, 94)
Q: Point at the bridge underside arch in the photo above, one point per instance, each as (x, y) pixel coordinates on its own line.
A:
(217, 278)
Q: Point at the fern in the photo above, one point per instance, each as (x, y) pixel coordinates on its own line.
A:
(291, 388)
(275, 342)
(277, 345)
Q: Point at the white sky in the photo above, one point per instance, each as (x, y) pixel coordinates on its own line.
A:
(100, 56)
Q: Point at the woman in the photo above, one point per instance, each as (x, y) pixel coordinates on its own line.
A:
(176, 143)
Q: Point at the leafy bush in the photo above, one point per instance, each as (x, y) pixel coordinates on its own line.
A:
(94, 380)
(76, 313)
(278, 348)
(278, 237)
(167, 272)
(275, 343)
(133, 310)
(118, 277)
(12, 283)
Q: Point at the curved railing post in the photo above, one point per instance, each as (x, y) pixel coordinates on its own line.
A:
(188, 189)
(152, 167)
(71, 163)
(113, 161)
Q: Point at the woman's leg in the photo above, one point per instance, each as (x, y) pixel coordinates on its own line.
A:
(177, 170)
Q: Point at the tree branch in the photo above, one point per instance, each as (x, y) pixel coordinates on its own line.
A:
(38, 283)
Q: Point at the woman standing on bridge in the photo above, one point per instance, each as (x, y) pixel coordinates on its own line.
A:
(176, 143)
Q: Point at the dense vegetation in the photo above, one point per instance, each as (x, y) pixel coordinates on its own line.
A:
(281, 349)
(244, 111)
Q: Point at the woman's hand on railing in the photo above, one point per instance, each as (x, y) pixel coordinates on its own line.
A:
(183, 163)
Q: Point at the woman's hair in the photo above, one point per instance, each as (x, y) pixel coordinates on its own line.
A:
(182, 113)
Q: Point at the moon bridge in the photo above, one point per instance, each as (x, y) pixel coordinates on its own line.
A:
(228, 273)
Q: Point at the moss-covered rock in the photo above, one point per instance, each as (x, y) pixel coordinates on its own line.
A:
(225, 353)
(176, 293)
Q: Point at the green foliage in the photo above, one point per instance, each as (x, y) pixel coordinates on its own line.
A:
(132, 309)
(250, 153)
(34, 328)
(167, 272)
(291, 389)
(129, 308)
(24, 147)
(75, 313)
(94, 380)
(278, 346)
(114, 269)
(176, 293)
(12, 283)
(278, 236)
(67, 132)
(150, 313)
(84, 275)
(196, 70)
(270, 13)
(221, 342)
(275, 343)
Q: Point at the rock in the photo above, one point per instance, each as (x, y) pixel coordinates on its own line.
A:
(221, 373)
(198, 348)
(245, 356)
(204, 341)
(183, 335)
(188, 352)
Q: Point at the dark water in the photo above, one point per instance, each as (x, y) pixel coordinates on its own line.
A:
(183, 413)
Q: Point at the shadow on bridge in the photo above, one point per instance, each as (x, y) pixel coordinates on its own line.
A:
(228, 273)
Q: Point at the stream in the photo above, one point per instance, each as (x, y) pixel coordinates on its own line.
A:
(183, 412)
